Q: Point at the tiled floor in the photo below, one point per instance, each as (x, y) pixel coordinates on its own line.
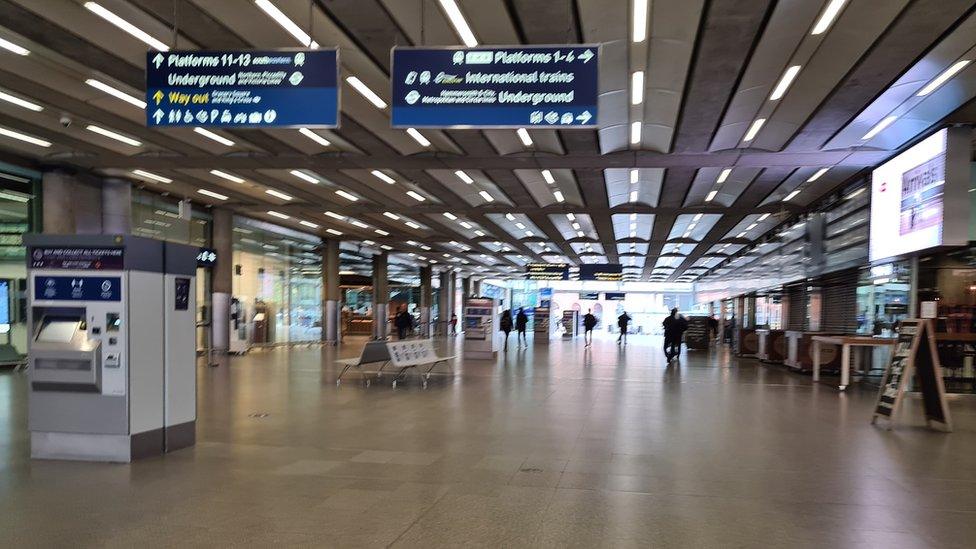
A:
(549, 447)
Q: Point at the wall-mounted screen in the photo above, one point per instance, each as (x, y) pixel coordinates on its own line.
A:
(908, 200)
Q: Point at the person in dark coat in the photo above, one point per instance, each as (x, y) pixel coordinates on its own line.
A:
(674, 326)
(623, 322)
(589, 322)
(403, 322)
(521, 322)
(506, 325)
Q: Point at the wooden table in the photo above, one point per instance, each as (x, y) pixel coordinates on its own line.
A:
(845, 342)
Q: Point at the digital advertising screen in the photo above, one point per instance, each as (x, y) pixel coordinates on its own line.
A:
(908, 200)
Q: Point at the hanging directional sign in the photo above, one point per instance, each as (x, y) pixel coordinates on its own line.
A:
(605, 272)
(501, 86)
(242, 88)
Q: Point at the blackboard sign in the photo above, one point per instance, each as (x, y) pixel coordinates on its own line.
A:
(696, 336)
(914, 355)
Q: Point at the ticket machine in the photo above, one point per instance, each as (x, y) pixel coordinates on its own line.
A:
(111, 347)
(481, 339)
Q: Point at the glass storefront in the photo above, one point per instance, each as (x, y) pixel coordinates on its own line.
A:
(278, 282)
(19, 214)
(883, 296)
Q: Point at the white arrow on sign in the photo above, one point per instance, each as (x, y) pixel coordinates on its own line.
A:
(158, 60)
(158, 115)
(586, 56)
(584, 116)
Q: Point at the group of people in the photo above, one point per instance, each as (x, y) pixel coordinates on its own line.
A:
(590, 321)
(521, 322)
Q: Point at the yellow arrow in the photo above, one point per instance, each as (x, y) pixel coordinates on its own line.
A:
(158, 96)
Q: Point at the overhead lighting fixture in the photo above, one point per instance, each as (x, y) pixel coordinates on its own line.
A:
(571, 216)
(286, 23)
(278, 194)
(854, 194)
(558, 195)
(942, 78)
(20, 102)
(466, 225)
(383, 177)
(792, 195)
(763, 217)
(359, 224)
(460, 25)
(523, 134)
(450, 216)
(510, 217)
(15, 196)
(547, 175)
(464, 177)
(314, 137)
(412, 225)
(817, 175)
(740, 235)
(392, 216)
(827, 17)
(333, 231)
(279, 215)
(10, 46)
(227, 176)
(878, 127)
(381, 232)
(640, 20)
(128, 27)
(212, 194)
(364, 90)
(486, 196)
(633, 176)
(416, 196)
(418, 137)
(784, 83)
(580, 234)
(724, 175)
(309, 224)
(479, 233)
(697, 217)
(334, 215)
(211, 135)
(757, 125)
(520, 226)
(711, 195)
(117, 93)
(637, 88)
(633, 196)
(113, 135)
(369, 243)
(348, 196)
(150, 175)
(635, 133)
(752, 226)
(304, 176)
(576, 226)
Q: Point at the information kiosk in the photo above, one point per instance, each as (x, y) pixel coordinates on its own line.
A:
(111, 348)
(481, 339)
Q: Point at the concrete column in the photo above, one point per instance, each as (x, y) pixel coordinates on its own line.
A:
(444, 302)
(116, 206)
(465, 290)
(331, 311)
(476, 288)
(381, 296)
(721, 321)
(58, 204)
(453, 295)
(426, 290)
(222, 278)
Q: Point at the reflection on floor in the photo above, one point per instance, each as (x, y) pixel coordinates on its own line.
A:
(549, 446)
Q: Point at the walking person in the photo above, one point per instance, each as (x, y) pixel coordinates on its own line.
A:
(506, 325)
(623, 321)
(403, 322)
(453, 324)
(672, 334)
(521, 322)
(589, 322)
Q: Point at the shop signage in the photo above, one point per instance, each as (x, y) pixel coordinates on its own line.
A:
(206, 257)
(78, 288)
(82, 259)
(590, 296)
(614, 296)
(604, 272)
(547, 271)
(915, 356)
(503, 86)
(243, 88)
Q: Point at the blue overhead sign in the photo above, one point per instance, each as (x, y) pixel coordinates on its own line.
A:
(242, 88)
(508, 86)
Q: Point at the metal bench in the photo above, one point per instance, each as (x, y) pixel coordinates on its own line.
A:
(414, 354)
(373, 352)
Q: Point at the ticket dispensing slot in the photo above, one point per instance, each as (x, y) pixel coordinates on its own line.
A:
(63, 358)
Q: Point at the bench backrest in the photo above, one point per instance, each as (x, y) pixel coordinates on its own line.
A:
(375, 351)
(412, 352)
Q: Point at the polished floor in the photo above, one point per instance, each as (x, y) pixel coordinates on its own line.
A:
(556, 446)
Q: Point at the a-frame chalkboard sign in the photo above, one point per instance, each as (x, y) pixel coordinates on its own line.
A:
(914, 355)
